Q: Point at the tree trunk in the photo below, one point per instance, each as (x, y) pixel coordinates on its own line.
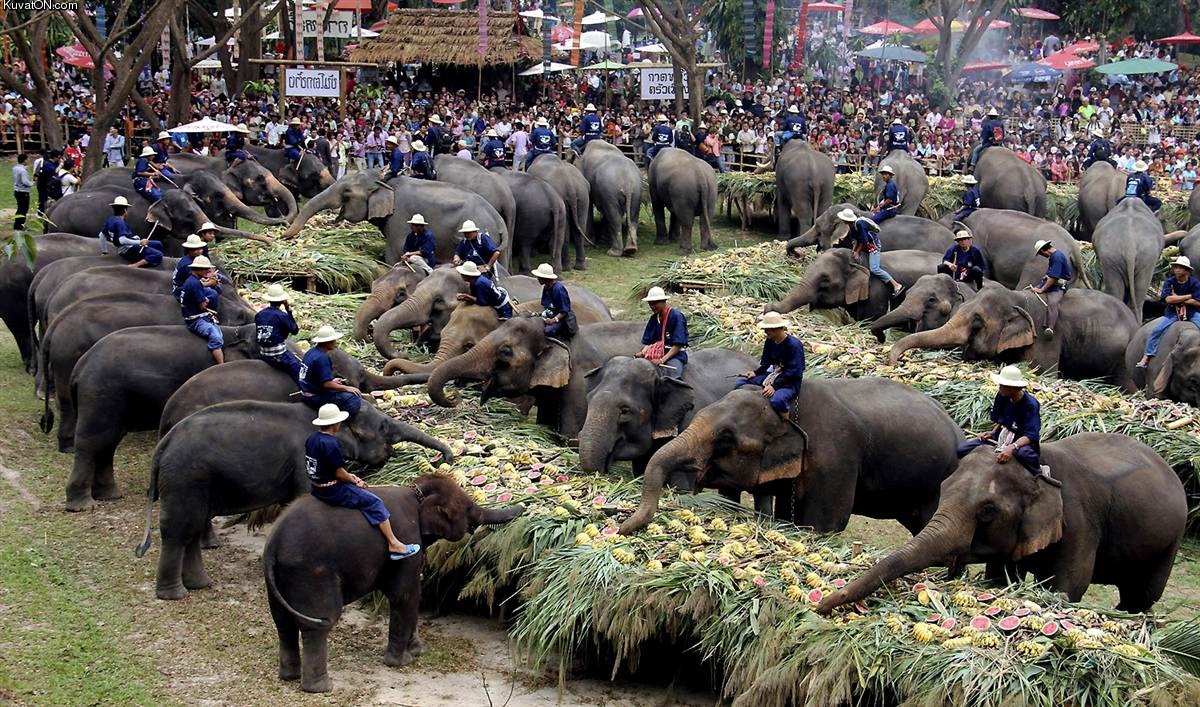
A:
(30, 43)
(251, 45)
(696, 91)
(678, 74)
(180, 106)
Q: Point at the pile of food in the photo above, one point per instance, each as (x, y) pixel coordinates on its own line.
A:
(343, 258)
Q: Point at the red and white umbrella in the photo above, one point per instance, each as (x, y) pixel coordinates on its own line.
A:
(1033, 13)
(823, 6)
(984, 66)
(1064, 61)
(77, 56)
(1183, 38)
(885, 28)
(1082, 47)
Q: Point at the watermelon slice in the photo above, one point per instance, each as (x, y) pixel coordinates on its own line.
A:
(993, 611)
(981, 623)
(1050, 628)
(839, 583)
(918, 586)
(1009, 623)
(504, 497)
(1066, 625)
(479, 480)
(949, 624)
(469, 434)
(861, 607)
(530, 489)
(535, 474)
(489, 487)
(933, 618)
(815, 596)
(1021, 612)
(986, 597)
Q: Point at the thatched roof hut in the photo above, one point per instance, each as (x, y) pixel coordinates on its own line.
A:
(449, 37)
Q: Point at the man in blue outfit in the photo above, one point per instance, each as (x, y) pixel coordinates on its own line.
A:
(899, 137)
(1100, 150)
(395, 165)
(1138, 186)
(556, 303)
(272, 327)
(1053, 286)
(293, 140)
(493, 150)
(590, 128)
(794, 126)
(144, 174)
(420, 246)
(138, 252)
(889, 196)
(162, 155)
(483, 292)
(193, 247)
(660, 136)
(1017, 428)
(541, 141)
(991, 133)
(198, 304)
(235, 147)
(864, 234)
(436, 136)
(780, 371)
(331, 483)
(476, 247)
(963, 261)
(317, 385)
(1181, 295)
(972, 198)
(421, 165)
(665, 340)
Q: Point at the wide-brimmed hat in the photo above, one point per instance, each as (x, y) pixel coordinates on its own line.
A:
(469, 268)
(969, 179)
(201, 263)
(656, 294)
(148, 151)
(330, 414)
(120, 201)
(772, 320)
(1041, 245)
(206, 226)
(418, 220)
(962, 234)
(275, 293)
(1182, 261)
(897, 121)
(542, 122)
(164, 135)
(661, 118)
(491, 133)
(847, 215)
(392, 139)
(589, 107)
(435, 119)
(326, 333)
(1010, 376)
(1140, 166)
(193, 242)
(468, 227)
(993, 113)
(544, 272)
(294, 121)
(241, 128)
(418, 146)
(886, 169)
(1097, 132)
(793, 109)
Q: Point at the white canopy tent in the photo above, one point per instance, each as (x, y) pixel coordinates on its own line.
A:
(539, 68)
(204, 125)
(599, 18)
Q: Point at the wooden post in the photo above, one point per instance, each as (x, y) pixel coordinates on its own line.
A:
(345, 94)
(479, 81)
(280, 84)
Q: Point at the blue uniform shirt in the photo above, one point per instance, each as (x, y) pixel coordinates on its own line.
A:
(397, 164)
(1099, 149)
(890, 192)
(486, 293)
(1138, 184)
(478, 251)
(898, 137)
(273, 326)
(115, 228)
(1059, 269)
(555, 299)
(315, 370)
(787, 357)
(972, 199)
(142, 165)
(421, 167)
(542, 139)
(424, 242)
(795, 124)
(662, 135)
(993, 130)
(480, 125)
(1175, 287)
(183, 270)
(294, 137)
(235, 141)
(193, 294)
(590, 126)
(160, 153)
(970, 260)
(322, 457)
(493, 152)
(864, 231)
(677, 333)
(433, 138)
(1023, 418)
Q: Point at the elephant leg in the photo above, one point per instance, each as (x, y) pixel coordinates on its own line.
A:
(828, 500)
(67, 419)
(314, 676)
(524, 248)
(731, 495)
(1001, 573)
(764, 503)
(211, 539)
(169, 584)
(631, 235)
(79, 483)
(783, 215)
(680, 481)
(1144, 585)
(681, 229)
(289, 640)
(104, 484)
(661, 237)
(1073, 567)
(192, 572)
(404, 598)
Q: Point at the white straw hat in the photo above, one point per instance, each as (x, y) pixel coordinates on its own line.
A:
(164, 135)
(544, 272)
(120, 201)
(542, 122)
(886, 169)
(589, 107)
(847, 215)
(275, 293)
(491, 133)
(1097, 132)
(148, 151)
(897, 121)
(326, 333)
(962, 234)
(294, 121)
(241, 128)
(1041, 245)
(793, 109)
(468, 227)
(418, 220)
(772, 320)
(1140, 166)
(969, 179)
(469, 268)
(392, 139)
(330, 414)
(1182, 261)
(435, 119)
(418, 146)
(193, 242)
(206, 226)
(661, 118)
(1010, 376)
(201, 263)
(656, 294)
(993, 113)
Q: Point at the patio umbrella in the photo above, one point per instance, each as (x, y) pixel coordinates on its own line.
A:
(77, 56)
(204, 125)
(1082, 47)
(1034, 73)
(1000, 24)
(539, 68)
(605, 65)
(656, 48)
(825, 7)
(532, 14)
(561, 33)
(1185, 38)
(635, 12)
(894, 53)
(1033, 13)
(1129, 67)
(885, 27)
(1067, 62)
(599, 18)
(983, 66)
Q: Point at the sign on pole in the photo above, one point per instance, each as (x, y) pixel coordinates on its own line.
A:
(340, 24)
(659, 85)
(324, 83)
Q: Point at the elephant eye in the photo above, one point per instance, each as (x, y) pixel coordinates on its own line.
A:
(505, 352)
(987, 513)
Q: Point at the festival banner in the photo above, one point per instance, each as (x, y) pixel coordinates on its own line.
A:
(483, 30)
(578, 31)
(768, 35)
(749, 36)
(801, 36)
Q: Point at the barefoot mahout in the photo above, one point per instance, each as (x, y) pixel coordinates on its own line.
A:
(320, 558)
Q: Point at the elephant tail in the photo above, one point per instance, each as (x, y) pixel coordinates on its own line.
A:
(152, 494)
(273, 590)
(1132, 296)
(46, 424)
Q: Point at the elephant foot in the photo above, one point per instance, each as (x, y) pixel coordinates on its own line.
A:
(202, 581)
(77, 503)
(630, 250)
(416, 646)
(321, 684)
(108, 493)
(66, 446)
(614, 252)
(289, 672)
(393, 660)
(581, 265)
(661, 241)
(709, 246)
(211, 539)
(173, 592)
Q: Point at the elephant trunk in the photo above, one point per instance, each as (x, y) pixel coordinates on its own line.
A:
(239, 209)
(374, 381)
(404, 366)
(800, 295)
(368, 311)
(235, 233)
(803, 240)
(946, 537)
(691, 449)
(499, 516)
(324, 201)
(412, 312)
(398, 431)
(907, 312)
(598, 437)
(952, 333)
(475, 364)
(281, 193)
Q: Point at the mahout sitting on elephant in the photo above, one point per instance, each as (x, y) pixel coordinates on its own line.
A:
(1175, 372)
(836, 278)
(897, 233)
(926, 304)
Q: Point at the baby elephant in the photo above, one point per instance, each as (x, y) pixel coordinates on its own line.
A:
(321, 557)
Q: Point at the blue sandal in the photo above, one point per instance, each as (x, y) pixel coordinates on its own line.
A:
(409, 551)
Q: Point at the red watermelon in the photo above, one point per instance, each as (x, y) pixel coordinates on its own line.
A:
(1021, 612)
(981, 623)
(949, 624)
(1009, 623)
(1050, 628)
(1067, 625)
(993, 611)
(839, 583)
(933, 618)
(815, 596)
(986, 597)
(862, 607)
(918, 586)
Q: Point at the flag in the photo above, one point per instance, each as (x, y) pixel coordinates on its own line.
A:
(483, 35)
(768, 35)
(748, 34)
(801, 35)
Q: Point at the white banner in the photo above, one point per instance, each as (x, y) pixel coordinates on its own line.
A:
(659, 85)
(326, 83)
(340, 24)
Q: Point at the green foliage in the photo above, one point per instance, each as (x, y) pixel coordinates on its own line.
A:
(725, 19)
(19, 244)
(939, 95)
(258, 88)
(1120, 17)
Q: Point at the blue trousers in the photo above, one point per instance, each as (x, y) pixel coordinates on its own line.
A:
(1154, 203)
(653, 150)
(554, 329)
(876, 269)
(293, 153)
(1027, 455)
(205, 328)
(533, 155)
(152, 253)
(150, 193)
(349, 402)
(286, 362)
(883, 215)
(672, 369)
(963, 213)
(1160, 328)
(233, 155)
(351, 496)
(781, 400)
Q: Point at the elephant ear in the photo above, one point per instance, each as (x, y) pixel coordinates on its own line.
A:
(1158, 386)
(443, 516)
(673, 399)
(594, 377)
(1018, 332)
(838, 233)
(382, 202)
(858, 283)
(158, 214)
(1041, 524)
(553, 368)
(783, 453)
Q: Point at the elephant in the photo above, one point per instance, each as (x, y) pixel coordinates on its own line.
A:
(1006, 239)
(472, 176)
(541, 219)
(238, 457)
(803, 188)
(388, 290)
(837, 279)
(216, 199)
(319, 558)
(684, 185)
(1175, 372)
(79, 326)
(1193, 206)
(575, 191)
(1099, 189)
(1118, 519)
(16, 277)
(896, 233)
(615, 185)
(307, 178)
(1128, 243)
(927, 304)
(170, 219)
(517, 360)
(910, 179)
(632, 409)
(1009, 182)
(468, 325)
(1189, 244)
(114, 395)
(363, 196)
(1089, 340)
(867, 446)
